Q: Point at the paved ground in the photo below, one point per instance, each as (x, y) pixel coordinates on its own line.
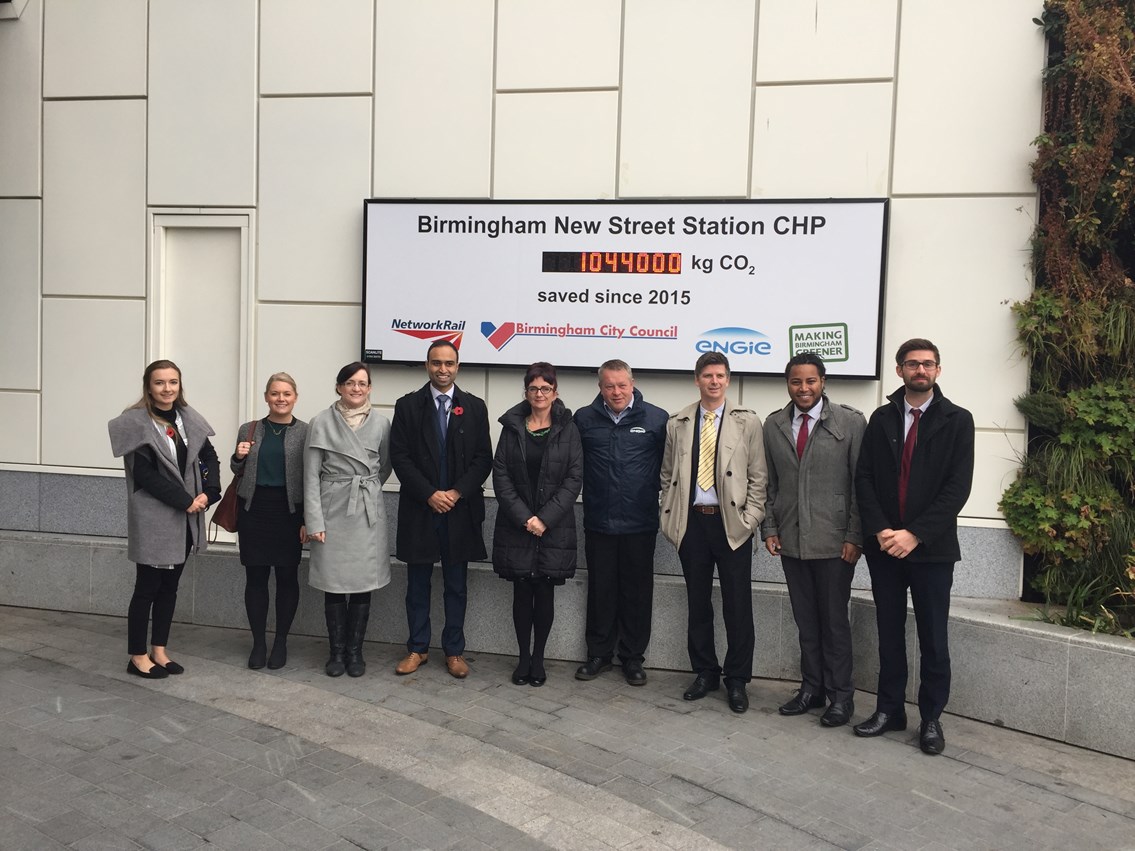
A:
(225, 757)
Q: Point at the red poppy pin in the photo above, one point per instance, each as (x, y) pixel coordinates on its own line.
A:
(169, 431)
(458, 411)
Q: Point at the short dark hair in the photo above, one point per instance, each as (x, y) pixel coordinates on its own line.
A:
(806, 359)
(350, 369)
(915, 345)
(437, 344)
(711, 359)
(615, 365)
(540, 369)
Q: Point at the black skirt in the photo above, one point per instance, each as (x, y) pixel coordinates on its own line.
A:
(269, 533)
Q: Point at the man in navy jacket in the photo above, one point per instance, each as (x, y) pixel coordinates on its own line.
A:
(912, 480)
(623, 438)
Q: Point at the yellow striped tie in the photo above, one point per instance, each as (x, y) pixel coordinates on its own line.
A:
(707, 451)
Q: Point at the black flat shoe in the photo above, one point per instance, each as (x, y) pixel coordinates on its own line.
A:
(801, 702)
(702, 685)
(838, 714)
(171, 667)
(537, 676)
(880, 723)
(258, 658)
(279, 656)
(520, 676)
(155, 673)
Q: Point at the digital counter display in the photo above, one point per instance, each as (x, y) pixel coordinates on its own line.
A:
(614, 262)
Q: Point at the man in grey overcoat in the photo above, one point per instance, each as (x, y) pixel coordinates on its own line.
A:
(812, 524)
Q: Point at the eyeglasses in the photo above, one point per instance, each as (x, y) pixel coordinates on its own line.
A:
(540, 391)
(356, 385)
(915, 364)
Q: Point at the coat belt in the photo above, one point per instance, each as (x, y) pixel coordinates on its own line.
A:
(366, 484)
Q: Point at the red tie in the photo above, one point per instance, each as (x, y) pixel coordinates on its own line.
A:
(907, 454)
(802, 436)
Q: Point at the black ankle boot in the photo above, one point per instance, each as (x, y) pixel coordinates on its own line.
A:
(336, 614)
(357, 616)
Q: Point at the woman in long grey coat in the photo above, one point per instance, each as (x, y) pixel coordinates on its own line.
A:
(346, 461)
(172, 477)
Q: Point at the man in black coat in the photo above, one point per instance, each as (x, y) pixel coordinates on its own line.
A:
(623, 438)
(442, 454)
(912, 480)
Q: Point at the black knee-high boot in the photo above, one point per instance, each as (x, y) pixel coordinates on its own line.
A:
(357, 616)
(337, 637)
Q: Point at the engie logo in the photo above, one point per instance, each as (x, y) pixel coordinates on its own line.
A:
(734, 341)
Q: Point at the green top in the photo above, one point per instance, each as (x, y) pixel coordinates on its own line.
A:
(270, 461)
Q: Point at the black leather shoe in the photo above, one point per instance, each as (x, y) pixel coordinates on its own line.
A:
(702, 685)
(520, 675)
(838, 714)
(738, 698)
(930, 737)
(155, 673)
(279, 655)
(801, 702)
(634, 674)
(880, 723)
(593, 667)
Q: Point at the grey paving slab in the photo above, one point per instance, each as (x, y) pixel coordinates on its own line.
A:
(224, 757)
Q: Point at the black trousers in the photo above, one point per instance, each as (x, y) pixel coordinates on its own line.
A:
(704, 546)
(929, 584)
(620, 594)
(155, 589)
(820, 590)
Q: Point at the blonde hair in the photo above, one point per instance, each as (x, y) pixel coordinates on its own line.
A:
(281, 376)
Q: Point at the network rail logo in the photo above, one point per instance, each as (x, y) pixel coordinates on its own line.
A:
(445, 330)
(734, 341)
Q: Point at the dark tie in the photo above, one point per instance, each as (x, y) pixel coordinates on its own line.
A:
(802, 435)
(907, 454)
(442, 421)
(442, 428)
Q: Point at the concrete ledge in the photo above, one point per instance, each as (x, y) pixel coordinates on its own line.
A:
(1061, 683)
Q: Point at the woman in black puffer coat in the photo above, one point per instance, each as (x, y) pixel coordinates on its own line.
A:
(537, 475)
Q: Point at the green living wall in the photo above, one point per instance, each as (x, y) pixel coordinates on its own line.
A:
(1073, 504)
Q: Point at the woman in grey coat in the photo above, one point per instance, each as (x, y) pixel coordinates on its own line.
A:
(346, 462)
(269, 459)
(172, 477)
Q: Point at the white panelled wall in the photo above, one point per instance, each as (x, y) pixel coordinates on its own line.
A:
(290, 113)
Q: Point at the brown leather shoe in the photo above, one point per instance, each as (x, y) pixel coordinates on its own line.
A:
(411, 663)
(456, 666)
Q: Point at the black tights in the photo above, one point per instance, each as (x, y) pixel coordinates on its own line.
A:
(256, 600)
(362, 599)
(533, 609)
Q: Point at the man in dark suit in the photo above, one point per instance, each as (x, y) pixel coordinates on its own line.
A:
(442, 454)
(912, 480)
(812, 524)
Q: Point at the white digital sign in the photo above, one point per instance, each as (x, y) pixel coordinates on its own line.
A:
(654, 283)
